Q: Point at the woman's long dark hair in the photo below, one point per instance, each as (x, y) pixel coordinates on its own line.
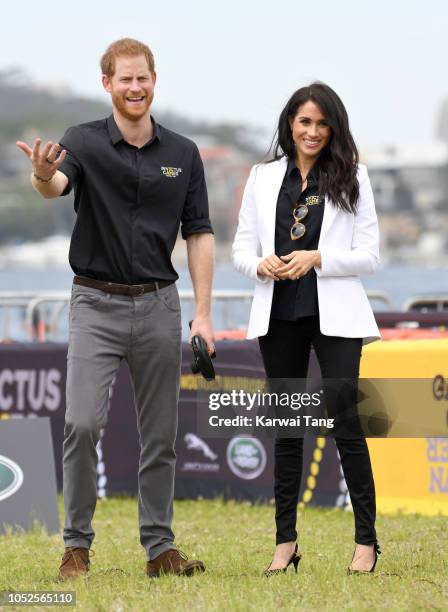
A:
(338, 160)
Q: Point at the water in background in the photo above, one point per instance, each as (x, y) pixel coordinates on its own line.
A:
(399, 282)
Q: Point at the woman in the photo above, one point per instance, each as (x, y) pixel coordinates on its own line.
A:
(307, 228)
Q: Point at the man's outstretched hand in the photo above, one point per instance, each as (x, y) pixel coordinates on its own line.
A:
(45, 161)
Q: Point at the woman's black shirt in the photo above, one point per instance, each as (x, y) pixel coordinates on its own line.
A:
(297, 298)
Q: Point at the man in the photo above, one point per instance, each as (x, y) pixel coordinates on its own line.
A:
(135, 182)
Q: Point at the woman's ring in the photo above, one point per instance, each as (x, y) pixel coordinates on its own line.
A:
(49, 161)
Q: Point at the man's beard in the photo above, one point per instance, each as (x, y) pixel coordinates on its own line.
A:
(123, 107)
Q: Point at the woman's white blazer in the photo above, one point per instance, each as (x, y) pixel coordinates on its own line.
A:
(348, 243)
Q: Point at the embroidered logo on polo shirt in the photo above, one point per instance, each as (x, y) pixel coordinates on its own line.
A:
(170, 172)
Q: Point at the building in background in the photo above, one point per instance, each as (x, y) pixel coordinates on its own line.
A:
(410, 185)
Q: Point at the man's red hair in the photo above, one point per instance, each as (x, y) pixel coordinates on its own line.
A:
(125, 47)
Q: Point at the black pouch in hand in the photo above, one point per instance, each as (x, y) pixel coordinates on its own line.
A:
(202, 360)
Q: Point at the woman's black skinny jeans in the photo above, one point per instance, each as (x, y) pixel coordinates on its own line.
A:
(285, 351)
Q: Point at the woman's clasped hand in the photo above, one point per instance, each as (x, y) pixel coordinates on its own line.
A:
(289, 267)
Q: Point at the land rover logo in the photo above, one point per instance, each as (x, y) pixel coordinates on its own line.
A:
(11, 477)
(246, 457)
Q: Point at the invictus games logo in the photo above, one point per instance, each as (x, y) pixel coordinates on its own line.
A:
(11, 477)
(313, 200)
(170, 172)
(246, 457)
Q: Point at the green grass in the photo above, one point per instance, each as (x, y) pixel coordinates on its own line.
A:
(235, 541)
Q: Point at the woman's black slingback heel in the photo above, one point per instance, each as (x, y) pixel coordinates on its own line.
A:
(377, 552)
(295, 558)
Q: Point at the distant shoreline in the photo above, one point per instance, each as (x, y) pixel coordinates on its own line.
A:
(52, 253)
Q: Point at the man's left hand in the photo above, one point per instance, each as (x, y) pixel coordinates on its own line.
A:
(202, 326)
(297, 264)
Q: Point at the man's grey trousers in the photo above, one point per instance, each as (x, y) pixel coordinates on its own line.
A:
(146, 331)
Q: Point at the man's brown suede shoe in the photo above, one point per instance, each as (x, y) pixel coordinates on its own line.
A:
(75, 563)
(173, 562)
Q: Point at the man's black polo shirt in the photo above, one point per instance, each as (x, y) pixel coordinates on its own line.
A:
(297, 298)
(130, 201)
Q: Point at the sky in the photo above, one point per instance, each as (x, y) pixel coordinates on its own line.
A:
(240, 60)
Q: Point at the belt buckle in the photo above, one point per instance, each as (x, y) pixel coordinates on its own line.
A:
(141, 289)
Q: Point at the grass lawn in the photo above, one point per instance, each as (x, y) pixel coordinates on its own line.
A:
(235, 541)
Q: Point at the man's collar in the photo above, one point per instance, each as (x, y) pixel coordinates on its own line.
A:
(114, 132)
(116, 135)
(156, 129)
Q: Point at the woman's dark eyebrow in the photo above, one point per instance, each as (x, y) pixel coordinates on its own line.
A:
(309, 118)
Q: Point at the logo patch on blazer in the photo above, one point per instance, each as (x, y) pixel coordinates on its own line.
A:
(170, 172)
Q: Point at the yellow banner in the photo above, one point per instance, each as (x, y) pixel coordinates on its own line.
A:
(411, 475)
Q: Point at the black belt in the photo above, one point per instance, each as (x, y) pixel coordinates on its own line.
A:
(116, 288)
